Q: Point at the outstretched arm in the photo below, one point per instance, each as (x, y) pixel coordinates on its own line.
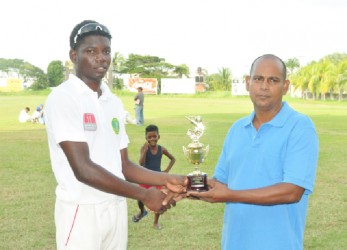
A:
(280, 193)
(90, 173)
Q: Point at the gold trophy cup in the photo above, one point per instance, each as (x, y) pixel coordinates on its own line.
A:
(195, 154)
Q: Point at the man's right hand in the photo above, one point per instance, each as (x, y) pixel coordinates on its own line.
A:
(154, 200)
(218, 192)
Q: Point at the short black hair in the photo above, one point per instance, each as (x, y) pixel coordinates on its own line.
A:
(271, 56)
(152, 128)
(73, 44)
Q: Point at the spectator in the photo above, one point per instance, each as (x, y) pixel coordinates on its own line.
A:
(24, 115)
(37, 116)
(150, 158)
(139, 100)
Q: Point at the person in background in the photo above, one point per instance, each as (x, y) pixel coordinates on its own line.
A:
(88, 150)
(150, 158)
(139, 100)
(267, 167)
(37, 116)
(24, 115)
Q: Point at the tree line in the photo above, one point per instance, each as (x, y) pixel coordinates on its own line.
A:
(32, 74)
(322, 79)
(135, 65)
(326, 78)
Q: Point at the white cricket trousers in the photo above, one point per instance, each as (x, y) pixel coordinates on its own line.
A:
(102, 226)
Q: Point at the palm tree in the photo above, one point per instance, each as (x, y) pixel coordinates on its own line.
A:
(118, 62)
(292, 64)
(300, 80)
(116, 68)
(224, 79)
(341, 80)
(181, 70)
(329, 74)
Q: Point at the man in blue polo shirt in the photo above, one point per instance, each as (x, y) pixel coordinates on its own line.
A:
(267, 167)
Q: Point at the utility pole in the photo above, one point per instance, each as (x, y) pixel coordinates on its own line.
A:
(110, 78)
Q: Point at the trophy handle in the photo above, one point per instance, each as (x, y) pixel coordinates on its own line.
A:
(207, 149)
(185, 151)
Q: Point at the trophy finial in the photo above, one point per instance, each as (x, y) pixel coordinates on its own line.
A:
(199, 128)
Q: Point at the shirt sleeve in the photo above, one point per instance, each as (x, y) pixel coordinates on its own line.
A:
(302, 155)
(64, 118)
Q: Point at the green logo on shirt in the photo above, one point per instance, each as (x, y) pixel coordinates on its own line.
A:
(115, 125)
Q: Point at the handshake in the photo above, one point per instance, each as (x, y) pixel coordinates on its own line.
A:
(175, 189)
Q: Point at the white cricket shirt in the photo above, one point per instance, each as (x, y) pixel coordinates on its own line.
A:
(73, 112)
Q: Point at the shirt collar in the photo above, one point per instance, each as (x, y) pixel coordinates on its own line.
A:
(282, 116)
(279, 119)
(106, 92)
(81, 87)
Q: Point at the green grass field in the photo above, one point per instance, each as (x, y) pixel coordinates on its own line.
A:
(27, 184)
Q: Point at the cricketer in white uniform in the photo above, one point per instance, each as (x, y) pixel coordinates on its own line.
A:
(88, 149)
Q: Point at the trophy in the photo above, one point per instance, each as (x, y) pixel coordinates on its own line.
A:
(195, 154)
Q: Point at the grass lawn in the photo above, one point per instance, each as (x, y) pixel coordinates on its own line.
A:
(27, 183)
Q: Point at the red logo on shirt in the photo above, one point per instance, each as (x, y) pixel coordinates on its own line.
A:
(89, 122)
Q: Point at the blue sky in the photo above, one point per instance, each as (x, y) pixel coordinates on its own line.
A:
(200, 33)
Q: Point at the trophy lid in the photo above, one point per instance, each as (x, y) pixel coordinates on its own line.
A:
(195, 145)
(198, 130)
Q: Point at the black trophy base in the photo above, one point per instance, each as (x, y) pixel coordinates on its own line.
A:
(197, 182)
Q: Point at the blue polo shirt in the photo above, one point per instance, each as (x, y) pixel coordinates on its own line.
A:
(284, 149)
